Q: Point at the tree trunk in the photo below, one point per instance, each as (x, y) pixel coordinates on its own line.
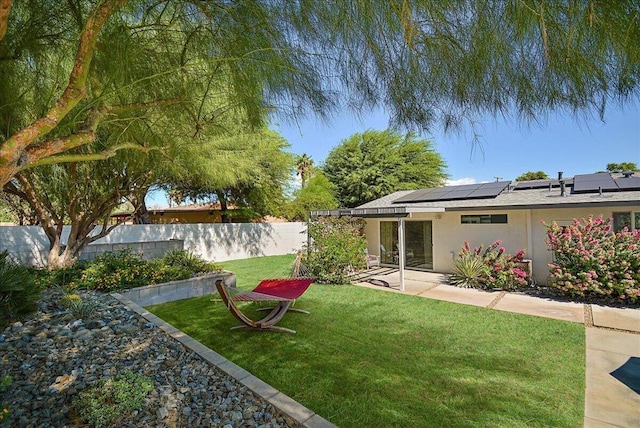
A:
(140, 212)
(223, 207)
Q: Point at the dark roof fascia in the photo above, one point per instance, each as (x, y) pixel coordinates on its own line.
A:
(364, 212)
(547, 206)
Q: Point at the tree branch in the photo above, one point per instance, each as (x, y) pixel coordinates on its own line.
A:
(12, 149)
(5, 8)
(106, 154)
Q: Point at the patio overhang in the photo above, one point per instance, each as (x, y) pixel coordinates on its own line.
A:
(387, 212)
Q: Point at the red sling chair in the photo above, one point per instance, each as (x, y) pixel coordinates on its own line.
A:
(282, 291)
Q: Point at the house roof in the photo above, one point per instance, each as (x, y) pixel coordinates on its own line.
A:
(526, 198)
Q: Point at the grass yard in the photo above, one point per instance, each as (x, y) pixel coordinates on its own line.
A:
(366, 358)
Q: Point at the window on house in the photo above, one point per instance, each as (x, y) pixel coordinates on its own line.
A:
(483, 219)
(637, 215)
(622, 220)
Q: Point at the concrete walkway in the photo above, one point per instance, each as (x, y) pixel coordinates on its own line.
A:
(612, 339)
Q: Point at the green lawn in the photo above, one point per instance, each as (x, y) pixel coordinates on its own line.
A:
(366, 358)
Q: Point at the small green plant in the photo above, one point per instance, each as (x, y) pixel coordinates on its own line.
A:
(18, 291)
(469, 271)
(78, 307)
(102, 404)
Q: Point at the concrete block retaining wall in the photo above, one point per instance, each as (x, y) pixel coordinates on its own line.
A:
(178, 290)
(147, 250)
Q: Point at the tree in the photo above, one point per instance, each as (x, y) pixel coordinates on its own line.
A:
(530, 175)
(622, 167)
(426, 63)
(318, 194)
(304, 168)
(373, 164)
(250, 174)
(82, 195)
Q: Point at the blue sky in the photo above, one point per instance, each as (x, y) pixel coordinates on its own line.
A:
(506, 149)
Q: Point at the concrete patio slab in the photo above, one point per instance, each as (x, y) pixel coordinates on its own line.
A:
(613, 341)
(530, 305)
(618, 318)
(609, 402)
(467, 296)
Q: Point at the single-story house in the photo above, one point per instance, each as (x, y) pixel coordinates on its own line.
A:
(425, 229)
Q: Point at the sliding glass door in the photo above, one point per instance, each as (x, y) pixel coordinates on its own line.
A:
(418, 244)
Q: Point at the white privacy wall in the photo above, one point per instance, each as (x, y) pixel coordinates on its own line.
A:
(212, 241)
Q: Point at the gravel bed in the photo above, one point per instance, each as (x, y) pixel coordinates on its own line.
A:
(52, 356)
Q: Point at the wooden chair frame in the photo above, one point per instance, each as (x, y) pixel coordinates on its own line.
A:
(268, 323)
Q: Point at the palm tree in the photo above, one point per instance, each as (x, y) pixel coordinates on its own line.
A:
(304, 166)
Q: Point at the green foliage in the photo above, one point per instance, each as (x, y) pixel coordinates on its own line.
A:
(489, 268)
(125, 269)
(304, 168)
(530, 175)
(18, 291)
(163, 66)
(78, 307)
(336, 248)
(591, 261)
(469, 271)
(374, 164)
(102, 404)
(60, 277)
(318, 194)
(622, 167)
(188, 261)
(250, 174)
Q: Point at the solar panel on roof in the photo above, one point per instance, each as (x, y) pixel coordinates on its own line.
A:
(591, 183)
(628, 183)
(540, 184)
(450, 193)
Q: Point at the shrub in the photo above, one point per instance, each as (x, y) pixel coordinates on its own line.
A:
(336, 247)
(101, 405)
(191, 262)
(114, 271)
(469, 271)
(489, 268)
(78, 307)
(592, 261)
(60, 277)
(18, 291)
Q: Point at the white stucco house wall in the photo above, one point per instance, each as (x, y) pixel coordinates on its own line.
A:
(432, 224)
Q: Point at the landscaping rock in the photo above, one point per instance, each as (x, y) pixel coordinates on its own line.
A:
(52, 357)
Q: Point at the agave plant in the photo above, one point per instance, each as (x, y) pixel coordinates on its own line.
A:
(469, 271)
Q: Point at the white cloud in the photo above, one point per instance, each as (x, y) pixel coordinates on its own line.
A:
(460, 181)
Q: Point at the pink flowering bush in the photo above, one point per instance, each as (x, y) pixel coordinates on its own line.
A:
(592, 261)
(489, 268)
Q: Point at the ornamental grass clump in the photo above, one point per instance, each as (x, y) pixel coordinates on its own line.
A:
(489, 268)
(593, 262)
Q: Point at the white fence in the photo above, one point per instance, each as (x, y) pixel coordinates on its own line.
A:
(212, 241)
